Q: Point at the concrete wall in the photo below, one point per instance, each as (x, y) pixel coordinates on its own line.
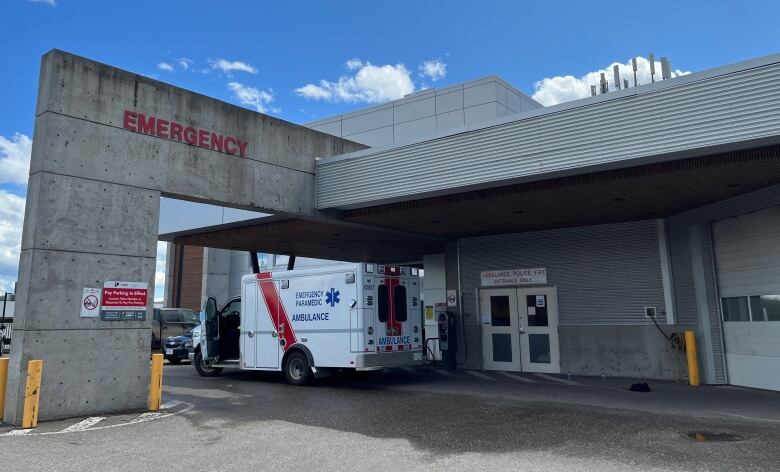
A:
(625, 351)
(92, 215)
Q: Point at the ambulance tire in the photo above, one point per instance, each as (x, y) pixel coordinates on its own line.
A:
(204, 368)
(297, 369)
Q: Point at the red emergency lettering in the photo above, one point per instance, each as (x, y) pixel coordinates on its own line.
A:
(216, 141)
(176, 130)
(190, 135)
(242, 147)
(228, 148)
(162, 128)
(129, 121)
(145, 125)
(203, 138)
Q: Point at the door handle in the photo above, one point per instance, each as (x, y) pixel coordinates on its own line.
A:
(251, 334)
(274, 334)
(522, 329)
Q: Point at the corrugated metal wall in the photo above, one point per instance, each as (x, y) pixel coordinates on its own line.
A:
(747, 250)
(712, 108)
(605, 274)
(682, 275)
(700, 219)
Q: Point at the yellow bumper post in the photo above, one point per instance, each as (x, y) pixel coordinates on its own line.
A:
(3, 382)
(155, 382)
(32, 394)
(693, 358)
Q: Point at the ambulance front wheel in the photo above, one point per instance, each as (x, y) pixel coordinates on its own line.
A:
(297, 369)
(205, 368)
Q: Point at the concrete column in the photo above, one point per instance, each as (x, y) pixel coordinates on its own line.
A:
(216, 275)
(76, 235)
(170, 269)
(97, 172)
(704, 333)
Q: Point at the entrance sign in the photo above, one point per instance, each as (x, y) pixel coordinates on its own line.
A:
(124, 301)
(154, 126)
(498, 278)
(90, 303)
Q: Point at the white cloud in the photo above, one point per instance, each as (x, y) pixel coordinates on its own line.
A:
(159, 273)
(11, 219)
(185, 63)
(369, 84)
(15, 159)
(229, 66)
(434, 69)
(354, 63)
(52, 3)
(559, 89)
(254, 97)
(165, 66)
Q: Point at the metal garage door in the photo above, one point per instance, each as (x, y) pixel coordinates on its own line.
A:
(747, 253)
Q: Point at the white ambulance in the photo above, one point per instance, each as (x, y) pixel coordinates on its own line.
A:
(307, 322)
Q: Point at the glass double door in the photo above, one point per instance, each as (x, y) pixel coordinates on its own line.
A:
(520, 329)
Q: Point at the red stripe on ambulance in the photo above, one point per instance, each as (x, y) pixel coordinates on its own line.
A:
(276, 309)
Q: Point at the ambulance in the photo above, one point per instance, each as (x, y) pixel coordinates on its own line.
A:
(309, 322)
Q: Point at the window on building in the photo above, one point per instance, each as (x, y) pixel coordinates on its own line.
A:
(753, 308)
(765, 308)
(382, 303)
(399, 302)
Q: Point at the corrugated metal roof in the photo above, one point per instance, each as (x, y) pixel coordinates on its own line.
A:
(726, 108)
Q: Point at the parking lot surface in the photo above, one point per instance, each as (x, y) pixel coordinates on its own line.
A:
(415, 419)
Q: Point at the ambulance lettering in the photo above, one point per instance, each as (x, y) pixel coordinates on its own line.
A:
(394, 340)
(311, 316)
(309, 298)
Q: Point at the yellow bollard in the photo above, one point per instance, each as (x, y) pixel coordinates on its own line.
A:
(32, 394)
(693, 358)
(3, 381)
(155, 382)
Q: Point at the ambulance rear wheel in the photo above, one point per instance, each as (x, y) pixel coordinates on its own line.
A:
(205, 368)
(297, 369)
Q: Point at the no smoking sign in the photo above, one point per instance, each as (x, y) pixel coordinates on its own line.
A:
(90, 303)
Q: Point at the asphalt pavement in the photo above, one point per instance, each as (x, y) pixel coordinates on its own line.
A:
(415, 419)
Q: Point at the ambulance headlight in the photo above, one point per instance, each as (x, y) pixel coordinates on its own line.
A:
(370, 330)
(188, 344)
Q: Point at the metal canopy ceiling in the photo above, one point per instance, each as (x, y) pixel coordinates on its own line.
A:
(324, 239)
(649, 191)
(406, 231)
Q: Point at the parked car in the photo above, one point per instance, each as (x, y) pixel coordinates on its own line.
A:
(170, 322)
(177, 348)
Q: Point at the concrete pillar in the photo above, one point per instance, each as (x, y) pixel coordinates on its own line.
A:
(698, 239)
(97, 172)
(76, 235)
(434, 291)
(170, 269)
(216, 275)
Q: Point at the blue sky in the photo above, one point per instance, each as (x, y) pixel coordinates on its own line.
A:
(296, 60)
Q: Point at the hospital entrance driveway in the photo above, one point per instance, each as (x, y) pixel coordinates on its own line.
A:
(423, 419)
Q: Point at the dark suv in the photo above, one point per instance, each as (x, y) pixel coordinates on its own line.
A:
(168, 322)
